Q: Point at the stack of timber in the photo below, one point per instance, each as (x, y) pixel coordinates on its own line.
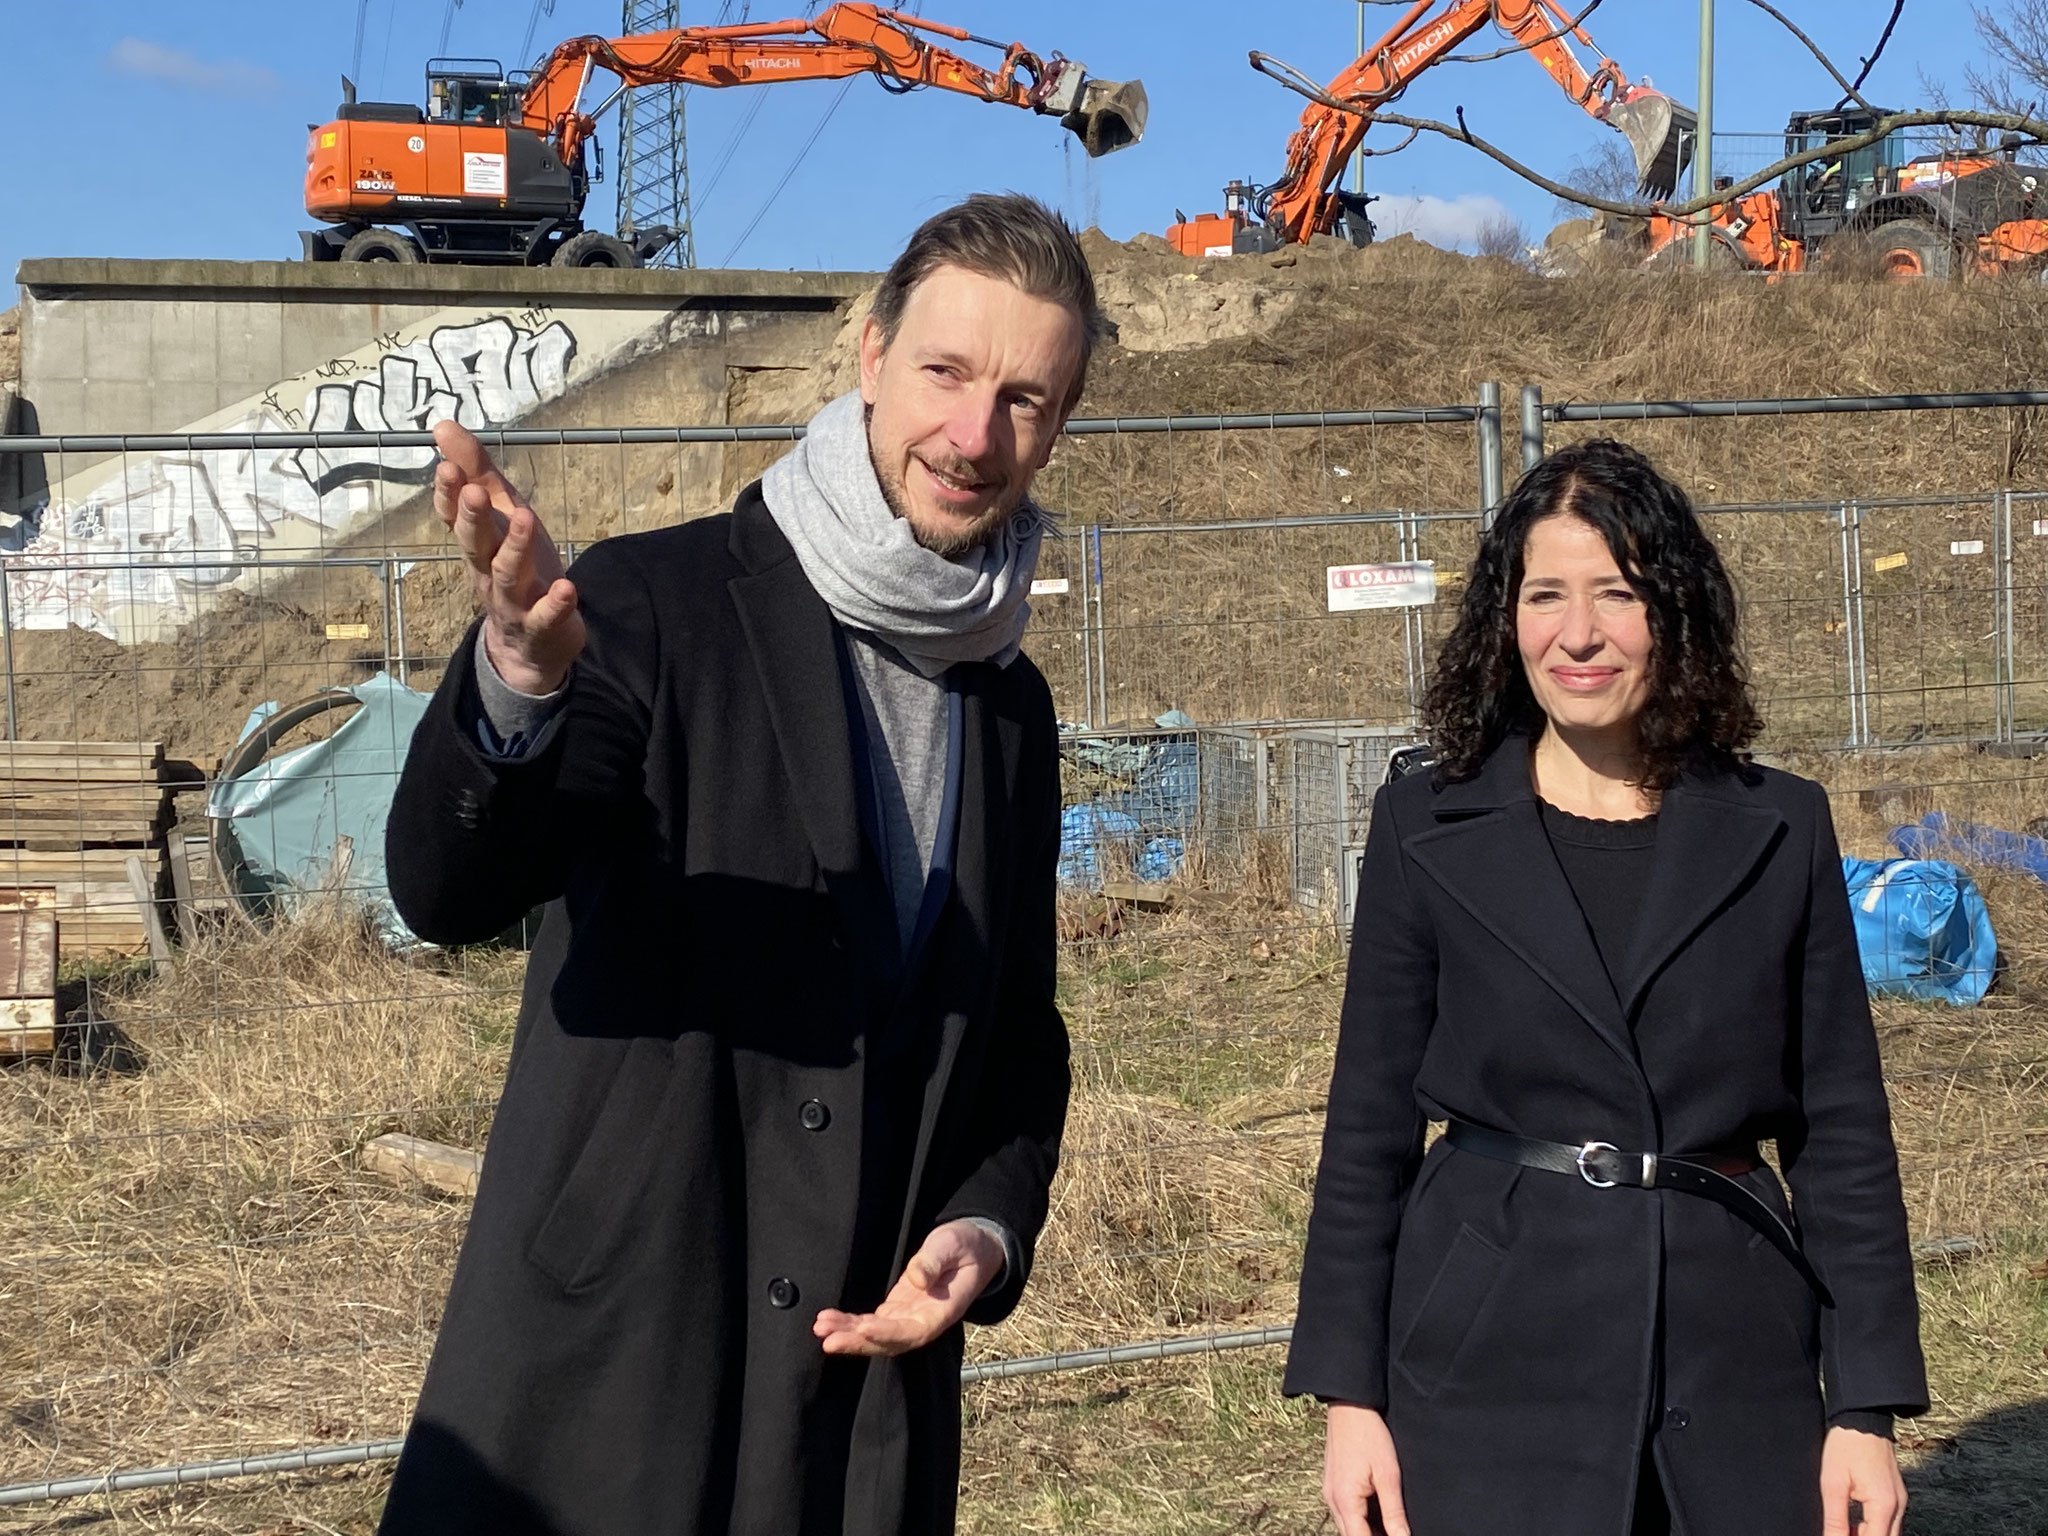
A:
(72, 814)
(28, 971)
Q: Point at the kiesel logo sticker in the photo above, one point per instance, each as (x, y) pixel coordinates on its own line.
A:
(483, 175)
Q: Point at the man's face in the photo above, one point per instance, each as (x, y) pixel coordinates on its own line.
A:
(965, 405)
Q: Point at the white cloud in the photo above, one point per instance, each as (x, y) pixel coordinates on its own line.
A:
(153, 61)
(1452, 223)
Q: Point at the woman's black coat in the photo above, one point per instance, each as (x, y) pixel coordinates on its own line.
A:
(724, 1110)
(1522, 1329)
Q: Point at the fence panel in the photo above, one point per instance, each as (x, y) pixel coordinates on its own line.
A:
(203, 1255)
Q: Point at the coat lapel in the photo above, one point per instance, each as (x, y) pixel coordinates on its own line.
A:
(1710, 840)
(789, 630)
(1489, 853)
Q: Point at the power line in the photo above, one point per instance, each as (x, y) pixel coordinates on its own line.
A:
(540, 8)
(809, 144)
(732, 146)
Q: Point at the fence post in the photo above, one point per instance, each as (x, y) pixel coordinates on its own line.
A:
(1849, 521)
(1491, 490)
(1085, 633)
(399, 571)
(1101, 628)
(1414, 639)
(7, 642)
(2002, 610)
(1532, 426)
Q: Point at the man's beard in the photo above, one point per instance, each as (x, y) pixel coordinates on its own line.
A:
(949, 543)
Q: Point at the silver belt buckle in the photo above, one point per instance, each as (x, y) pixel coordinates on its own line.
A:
(1587, 1173)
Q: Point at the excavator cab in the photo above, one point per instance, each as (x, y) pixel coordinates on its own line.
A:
(471, 92)
(1823, 196)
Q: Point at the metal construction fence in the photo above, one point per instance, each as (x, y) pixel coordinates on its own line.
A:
(210, 1273)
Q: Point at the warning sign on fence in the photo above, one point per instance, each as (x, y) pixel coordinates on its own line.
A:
(1406, 584)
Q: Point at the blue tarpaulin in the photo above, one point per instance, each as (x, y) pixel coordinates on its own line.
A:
(1149, 821)
(1936, 834)
(1922, 929)
(287, 813)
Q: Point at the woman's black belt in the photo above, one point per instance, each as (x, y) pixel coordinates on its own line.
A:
(1605, 1166)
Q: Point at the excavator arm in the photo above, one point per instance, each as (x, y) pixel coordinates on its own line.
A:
(842, 40)
(1305, 201)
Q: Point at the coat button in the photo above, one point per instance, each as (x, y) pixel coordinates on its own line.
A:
(1677, 1418)
(812, 1115)
(782, 1293)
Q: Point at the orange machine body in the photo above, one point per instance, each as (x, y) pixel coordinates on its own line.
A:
(1932, 216)
(380, 171)
(1308, 200)
(493, 169)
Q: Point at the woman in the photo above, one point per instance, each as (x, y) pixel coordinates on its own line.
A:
(1613, 956)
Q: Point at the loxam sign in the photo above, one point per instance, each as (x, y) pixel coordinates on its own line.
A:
(1404, 584)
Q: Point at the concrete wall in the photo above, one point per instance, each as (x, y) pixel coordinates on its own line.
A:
(133, 545)
(154, 346)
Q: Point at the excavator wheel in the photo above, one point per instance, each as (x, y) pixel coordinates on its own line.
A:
(595, 248)
(381, 245)
(1907, 249)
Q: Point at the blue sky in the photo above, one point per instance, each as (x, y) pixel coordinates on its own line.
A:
(177, 128)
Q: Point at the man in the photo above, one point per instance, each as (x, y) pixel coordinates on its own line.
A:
(788, 1084)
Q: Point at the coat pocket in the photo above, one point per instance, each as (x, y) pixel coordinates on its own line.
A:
(1459, 1292)
(584, 1226)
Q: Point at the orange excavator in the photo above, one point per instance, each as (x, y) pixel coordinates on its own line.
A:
(495, 168)
(1307, 199)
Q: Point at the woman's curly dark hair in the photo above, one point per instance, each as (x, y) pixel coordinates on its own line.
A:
(1698, 711)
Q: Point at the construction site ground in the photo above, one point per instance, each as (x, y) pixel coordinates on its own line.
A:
(255, 1287)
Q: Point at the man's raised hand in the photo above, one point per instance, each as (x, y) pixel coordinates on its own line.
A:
(532, 629)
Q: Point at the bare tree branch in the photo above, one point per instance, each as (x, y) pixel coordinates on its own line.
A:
(2030, 129)
(1811, 47)
(1863, 74)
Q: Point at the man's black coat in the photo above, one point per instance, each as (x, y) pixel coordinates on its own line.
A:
(723, 1111)
(1523, 1329)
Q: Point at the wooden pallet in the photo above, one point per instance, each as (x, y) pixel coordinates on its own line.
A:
(72, 814)
(28, 971)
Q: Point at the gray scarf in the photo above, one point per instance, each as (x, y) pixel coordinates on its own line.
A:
(874, 575)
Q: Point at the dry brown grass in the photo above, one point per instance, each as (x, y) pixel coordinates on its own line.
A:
(193, 1265)
(203, 1270)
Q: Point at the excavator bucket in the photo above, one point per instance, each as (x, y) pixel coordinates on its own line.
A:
(1110, 115)
(1660, 132)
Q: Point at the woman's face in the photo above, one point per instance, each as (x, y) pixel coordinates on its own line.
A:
(1583, 632)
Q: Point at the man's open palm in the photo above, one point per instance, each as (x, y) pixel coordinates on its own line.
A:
(955, 1265)
(532, 629)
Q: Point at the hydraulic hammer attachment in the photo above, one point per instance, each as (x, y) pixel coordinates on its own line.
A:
(1105, 115)
(1660, 132)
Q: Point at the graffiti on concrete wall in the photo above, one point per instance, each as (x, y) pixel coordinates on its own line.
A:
(483, 375)
(135, 548)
